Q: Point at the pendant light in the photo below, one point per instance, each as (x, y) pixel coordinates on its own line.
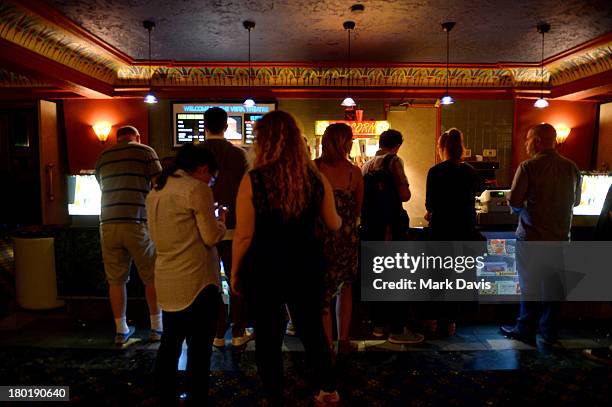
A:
(150, 96)
(249, 102)
(447, 99)
(348, 100)
(541, 103)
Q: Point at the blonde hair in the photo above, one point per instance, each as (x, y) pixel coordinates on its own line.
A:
(336, 138)
(279, 145)
(451, 142)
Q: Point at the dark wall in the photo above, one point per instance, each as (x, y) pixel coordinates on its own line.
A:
(486, 124)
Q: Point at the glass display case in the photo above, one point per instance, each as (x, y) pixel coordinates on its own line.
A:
(83, 195)
(500, 268)
(594, 189)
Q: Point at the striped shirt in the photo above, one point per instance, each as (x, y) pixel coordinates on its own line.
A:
(124, 172)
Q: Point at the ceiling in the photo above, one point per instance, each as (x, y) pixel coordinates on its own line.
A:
(408, 31)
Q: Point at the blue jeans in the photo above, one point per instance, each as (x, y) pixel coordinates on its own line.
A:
(541, 278)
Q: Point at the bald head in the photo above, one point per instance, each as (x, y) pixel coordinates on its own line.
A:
(540, 137)
(128, 133)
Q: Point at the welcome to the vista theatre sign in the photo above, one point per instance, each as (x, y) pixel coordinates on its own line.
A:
(361, 129)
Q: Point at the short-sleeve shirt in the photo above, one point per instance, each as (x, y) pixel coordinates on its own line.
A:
(124, 172)
(547, 187)
(232, 162)
(396, 166)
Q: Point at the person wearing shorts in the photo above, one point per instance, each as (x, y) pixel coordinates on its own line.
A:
(125, 172)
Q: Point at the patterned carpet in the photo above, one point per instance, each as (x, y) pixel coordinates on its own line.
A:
(369, 379)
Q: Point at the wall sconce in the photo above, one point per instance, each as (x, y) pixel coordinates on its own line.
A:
(102, 130)
(562, 132)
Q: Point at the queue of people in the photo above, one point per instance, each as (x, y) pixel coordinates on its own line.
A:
(286, 232)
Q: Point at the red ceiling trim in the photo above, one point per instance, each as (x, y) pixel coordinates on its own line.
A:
(594, 85)
(20, 59)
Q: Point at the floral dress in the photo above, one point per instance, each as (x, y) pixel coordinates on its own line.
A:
(341, 248)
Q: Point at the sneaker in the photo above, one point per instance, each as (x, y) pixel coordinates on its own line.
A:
(249, 334)
(155, 335)
(219, 343)
(290, 329)
(405, 338)
(379, 331)
(121, 339)
(325, 399)
(512, 332)
(601, 355)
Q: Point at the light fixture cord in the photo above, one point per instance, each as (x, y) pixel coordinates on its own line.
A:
(542, 70)
(249, 82)
(150, 63)
(348, 86)
(447, 57)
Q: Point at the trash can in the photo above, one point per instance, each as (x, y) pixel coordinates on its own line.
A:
(35, 280)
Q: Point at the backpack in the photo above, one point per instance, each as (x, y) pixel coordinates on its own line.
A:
(382, 205)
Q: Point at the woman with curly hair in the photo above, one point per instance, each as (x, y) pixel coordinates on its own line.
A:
(277, 257)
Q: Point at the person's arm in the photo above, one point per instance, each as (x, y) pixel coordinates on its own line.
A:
(578, 190)
(403, 187)
(429, 193)
(154, 167)
(201, 199)
(245, 228)
(518, 192)
(358, 189)
(330, 217)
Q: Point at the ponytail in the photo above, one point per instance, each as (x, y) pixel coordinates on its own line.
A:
(188, 158)
(451, 141)
(169, 171)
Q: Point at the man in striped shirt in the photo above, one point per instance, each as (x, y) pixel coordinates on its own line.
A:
(125, 172)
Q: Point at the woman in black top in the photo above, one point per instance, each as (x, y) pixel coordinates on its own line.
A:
(451, 189)
(277, 258)
(450, 200)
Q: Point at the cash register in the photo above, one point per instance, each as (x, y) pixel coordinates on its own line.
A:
(493, 200)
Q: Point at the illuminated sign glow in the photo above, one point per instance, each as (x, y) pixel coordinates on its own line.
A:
(229, 109)
(361, 129)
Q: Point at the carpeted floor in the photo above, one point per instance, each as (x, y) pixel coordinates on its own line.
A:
(368, 379)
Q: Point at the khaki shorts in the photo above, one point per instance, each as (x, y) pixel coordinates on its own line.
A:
(123, 242)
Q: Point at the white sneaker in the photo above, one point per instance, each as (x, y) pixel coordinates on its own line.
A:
(219, 343)
(249, 334)
(325, 399)
(405, 338)
(290, 329)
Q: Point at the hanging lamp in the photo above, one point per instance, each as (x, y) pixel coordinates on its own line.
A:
(150, 96)
(348, 100)
(249, 102)
(541, 103)
(447, 99)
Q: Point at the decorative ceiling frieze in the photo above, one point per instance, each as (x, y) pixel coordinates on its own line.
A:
(60, 42)
(9, 79)
(22, 27)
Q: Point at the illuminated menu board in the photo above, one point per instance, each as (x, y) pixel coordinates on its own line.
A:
(189, 121)
(189, 128)
(249, 127)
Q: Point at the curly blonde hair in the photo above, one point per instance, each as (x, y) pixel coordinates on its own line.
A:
(279, 145)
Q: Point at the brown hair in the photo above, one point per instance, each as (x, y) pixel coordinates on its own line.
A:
(280, 146)
(451, 141)
(390, 139)
(336, 138)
